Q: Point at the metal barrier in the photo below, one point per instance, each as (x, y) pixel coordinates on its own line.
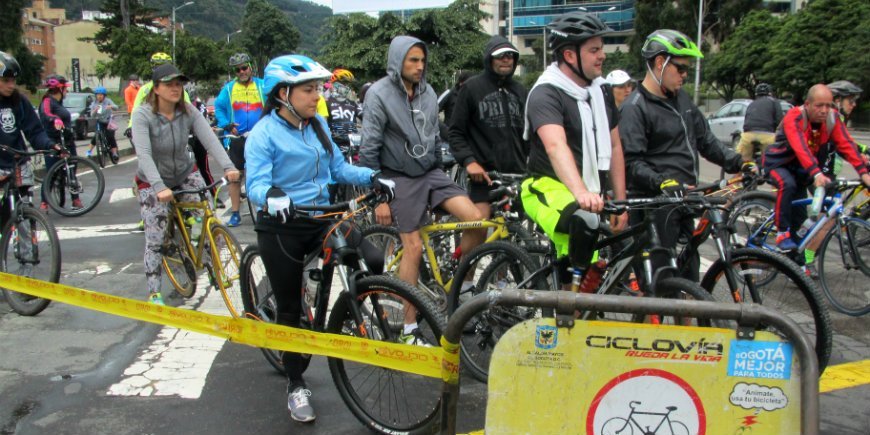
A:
(747, 317)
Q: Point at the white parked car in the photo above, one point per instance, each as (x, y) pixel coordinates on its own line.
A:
(727, 122)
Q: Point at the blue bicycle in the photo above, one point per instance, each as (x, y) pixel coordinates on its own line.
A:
(840, 238)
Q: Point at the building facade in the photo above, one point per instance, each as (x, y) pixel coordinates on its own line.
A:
(69, 47)
(38, 23)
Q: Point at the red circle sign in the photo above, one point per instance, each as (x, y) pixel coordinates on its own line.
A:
(637, 410)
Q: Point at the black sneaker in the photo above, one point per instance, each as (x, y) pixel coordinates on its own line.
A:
(298, 405)
(220, 204)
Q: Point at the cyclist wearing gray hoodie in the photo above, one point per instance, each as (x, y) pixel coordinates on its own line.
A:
(400, 138)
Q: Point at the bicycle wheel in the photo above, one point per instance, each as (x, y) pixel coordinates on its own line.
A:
(790, 292)
(100, 142)
(386, 400)
(844, 265)
(114, 157)
(225, 264)
(749, 216)
(259, 300)
(617, 426)
(490, 267)
(680, 289)
(30, 248)
(86, 183)
(177, 264)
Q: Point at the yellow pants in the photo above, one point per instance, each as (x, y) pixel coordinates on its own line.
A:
(746, 147)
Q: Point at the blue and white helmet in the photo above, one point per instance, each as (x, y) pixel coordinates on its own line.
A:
(292, 69)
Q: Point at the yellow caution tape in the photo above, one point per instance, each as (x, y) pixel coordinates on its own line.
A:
(845, 375)
(407, 358)
(450, 364)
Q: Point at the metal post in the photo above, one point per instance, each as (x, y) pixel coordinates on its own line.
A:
(173, 27)
(544, 46)
(698, 61)
(231, 34)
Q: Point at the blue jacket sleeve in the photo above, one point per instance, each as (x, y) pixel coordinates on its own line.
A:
(258, 166)
(223, 108)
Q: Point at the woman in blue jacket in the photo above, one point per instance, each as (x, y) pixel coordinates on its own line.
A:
(290, 159)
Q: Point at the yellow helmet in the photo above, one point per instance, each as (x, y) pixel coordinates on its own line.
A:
(160, 58)
(341, 74)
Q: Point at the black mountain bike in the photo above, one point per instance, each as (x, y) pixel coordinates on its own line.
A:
(101, 146)
(29, 245)
(368, 306)
(74, 185)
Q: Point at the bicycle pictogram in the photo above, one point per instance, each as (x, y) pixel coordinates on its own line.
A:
(626, 426)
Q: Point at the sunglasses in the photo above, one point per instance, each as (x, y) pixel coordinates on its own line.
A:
(504, 56)
(681, 68)
(243, 68)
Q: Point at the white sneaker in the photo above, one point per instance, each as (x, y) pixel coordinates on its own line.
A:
(297, 404)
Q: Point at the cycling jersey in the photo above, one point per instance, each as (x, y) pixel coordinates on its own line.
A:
(342, 119)
(240, 104)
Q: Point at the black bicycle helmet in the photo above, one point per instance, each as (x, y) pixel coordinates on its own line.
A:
(9, 66)
(239, 59)
(844, 88)
(763, 89)
(670, 43)
(574, 28)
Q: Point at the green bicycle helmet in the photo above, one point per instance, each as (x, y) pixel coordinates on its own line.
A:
(671, 43)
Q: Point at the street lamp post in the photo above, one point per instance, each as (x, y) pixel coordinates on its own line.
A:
(231, 34)
(543, 43)
(698, 62)
(173, 26)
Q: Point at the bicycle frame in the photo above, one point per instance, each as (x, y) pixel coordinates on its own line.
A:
(500, 231)
(196, 253)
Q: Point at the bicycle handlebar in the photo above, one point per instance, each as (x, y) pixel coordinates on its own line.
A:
(505, 177)
(623, 205)
(10, 150)
(341, 206)
(222, 181)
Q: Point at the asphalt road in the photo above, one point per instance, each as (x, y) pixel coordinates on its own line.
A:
(73, 371)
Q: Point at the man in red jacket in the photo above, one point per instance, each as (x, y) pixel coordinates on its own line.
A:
(806, 143)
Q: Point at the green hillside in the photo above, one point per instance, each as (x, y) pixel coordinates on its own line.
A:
(216, 18)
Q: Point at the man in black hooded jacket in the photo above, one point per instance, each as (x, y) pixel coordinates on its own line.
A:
(486, 129)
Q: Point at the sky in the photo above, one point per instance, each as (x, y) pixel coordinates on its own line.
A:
(374, 5)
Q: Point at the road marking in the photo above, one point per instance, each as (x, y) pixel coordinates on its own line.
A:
(178, 361)
(121, 194)
(845, 375)
(67, 233)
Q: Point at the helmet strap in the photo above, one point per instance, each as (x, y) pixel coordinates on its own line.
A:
(660, 79)
(579, 71)
(292, 110)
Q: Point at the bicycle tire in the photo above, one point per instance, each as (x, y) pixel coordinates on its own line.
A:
(747, 213)
(226, 254)
(417, 397)
(21, 303)
(682, 289)
(616, 426)
(493, 266)
(846, 286)
(99, 140)
(57, 187)
(259, 301)
(177, 264)
(113, 157)
(779, 293)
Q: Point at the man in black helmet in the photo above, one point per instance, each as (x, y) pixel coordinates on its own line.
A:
(664, 133)
(759, 124)
(571, 123)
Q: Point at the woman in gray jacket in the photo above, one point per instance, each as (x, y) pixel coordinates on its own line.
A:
(160, 130)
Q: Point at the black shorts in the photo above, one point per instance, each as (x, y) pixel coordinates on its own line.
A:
(237, 152)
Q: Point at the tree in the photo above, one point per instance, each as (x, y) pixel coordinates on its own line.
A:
(453, 37)
(624, 61)
(267, 32)
(199, 58)
(739, 60)
(825, 41)
(10, 42)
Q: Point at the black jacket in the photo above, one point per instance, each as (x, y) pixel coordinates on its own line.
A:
(662, 139)
(51, 109)
(763, 115)
(17, 116)
(487, 122)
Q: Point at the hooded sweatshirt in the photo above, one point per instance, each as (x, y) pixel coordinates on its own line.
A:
(400, 132)
(487, 122)
(17, 116)
(161, 145)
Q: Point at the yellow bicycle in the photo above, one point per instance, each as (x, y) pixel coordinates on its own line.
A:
(441, 252)
(184, 253)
